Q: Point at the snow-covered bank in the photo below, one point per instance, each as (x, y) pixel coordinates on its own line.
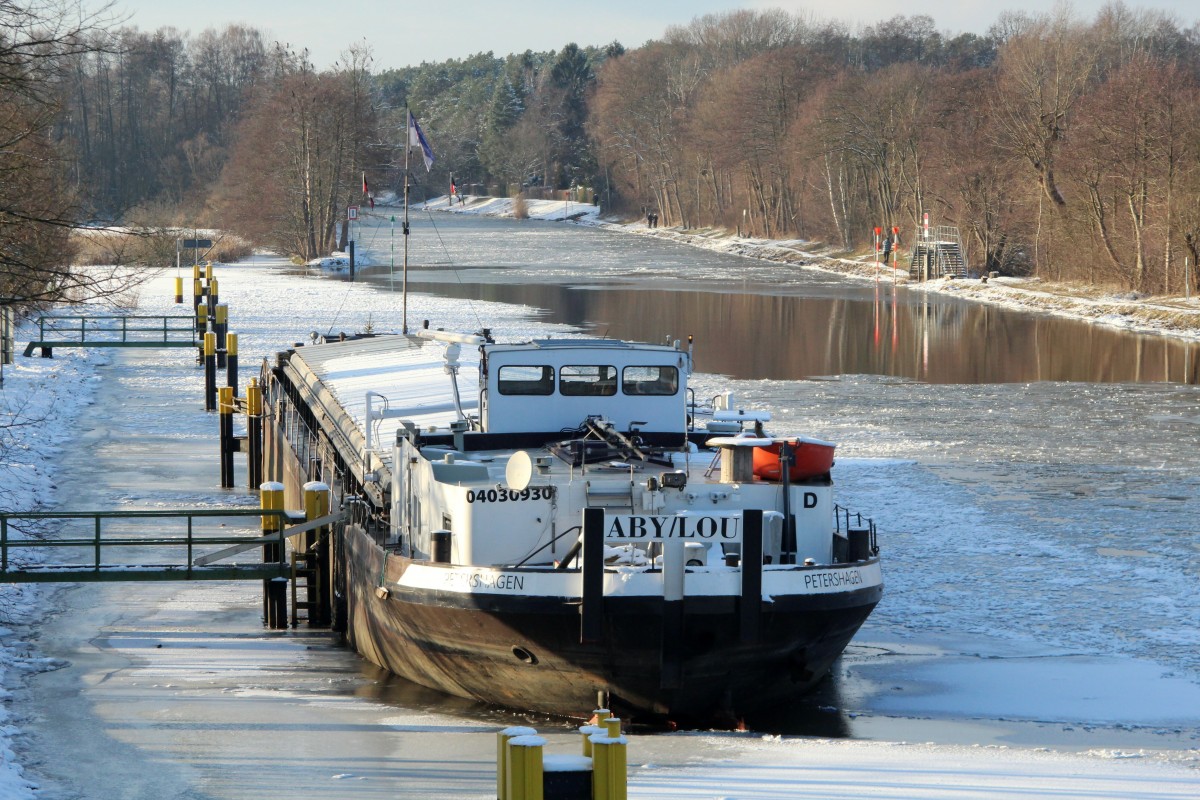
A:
(1168, 316)
(263, 299)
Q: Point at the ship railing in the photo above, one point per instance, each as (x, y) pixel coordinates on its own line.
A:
(855, 527)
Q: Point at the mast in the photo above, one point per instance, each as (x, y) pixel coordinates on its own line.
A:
(404, 229)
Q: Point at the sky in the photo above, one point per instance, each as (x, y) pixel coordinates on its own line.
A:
(437, 31)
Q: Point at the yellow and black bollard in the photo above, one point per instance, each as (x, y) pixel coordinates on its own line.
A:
(178, 289)
(220, 328)
(317, 583)
(201, 314)
(231, 361)
(254, 433)
(274, 589)
(210, 371)
(225, 408)
(213, 296)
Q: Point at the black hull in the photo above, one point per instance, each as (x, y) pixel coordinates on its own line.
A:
(656, 661)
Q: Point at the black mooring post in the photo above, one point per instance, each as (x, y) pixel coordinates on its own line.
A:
(231, 362)
(220, 328)
(254, 434)
(351, 259)
(591, 626)
(750, 607)
(324, 609)
(277, 615)
(210, 371)
(227, 444)
(271, 499)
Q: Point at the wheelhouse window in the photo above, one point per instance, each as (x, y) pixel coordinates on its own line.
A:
(588, 380)
(650, 380)
(526, 380)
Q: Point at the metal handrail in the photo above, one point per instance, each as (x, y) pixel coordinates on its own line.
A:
(79, 325)
(96, 542)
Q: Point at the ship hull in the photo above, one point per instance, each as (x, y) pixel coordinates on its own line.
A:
(687, 661)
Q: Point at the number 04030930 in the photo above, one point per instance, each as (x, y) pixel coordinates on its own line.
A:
(503, 495)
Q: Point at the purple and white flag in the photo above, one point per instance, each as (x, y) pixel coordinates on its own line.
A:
(416, 138)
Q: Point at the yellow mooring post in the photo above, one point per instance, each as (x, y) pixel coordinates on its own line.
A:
(525, 768)
(195, 272)
(220, 328)
(596, 726)
(231, 361)
(316, 556)
(178, 289)
(502, 738)
(210, 371)
(254, 433)
(600, 779)
(225, 408)
(609, 768)
(274, 590)
(588, 731)
(208, 270)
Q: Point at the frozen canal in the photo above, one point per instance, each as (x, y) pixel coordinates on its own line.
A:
(1036, 480)
(1039, 536)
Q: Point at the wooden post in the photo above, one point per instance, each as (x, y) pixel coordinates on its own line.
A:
(225, 409)
(271, 499)
(210, 371)
(254, 433)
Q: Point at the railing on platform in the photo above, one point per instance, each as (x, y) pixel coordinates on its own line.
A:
(113, 331)
(194, 550)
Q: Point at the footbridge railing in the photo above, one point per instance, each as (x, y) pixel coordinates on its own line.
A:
(193, 544)
(113, 331)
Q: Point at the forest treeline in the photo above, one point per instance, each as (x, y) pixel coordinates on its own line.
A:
(1063, 148)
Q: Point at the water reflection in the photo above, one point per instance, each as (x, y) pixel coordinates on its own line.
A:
(903, 335)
